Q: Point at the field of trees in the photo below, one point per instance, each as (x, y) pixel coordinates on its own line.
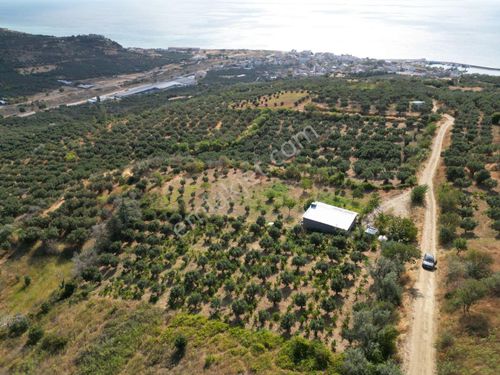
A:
(180, 222)
(469, 229)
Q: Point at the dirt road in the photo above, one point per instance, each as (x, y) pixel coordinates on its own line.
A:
(420, 354)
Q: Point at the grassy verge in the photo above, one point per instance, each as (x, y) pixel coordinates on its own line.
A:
(103, 336)
(45, 274)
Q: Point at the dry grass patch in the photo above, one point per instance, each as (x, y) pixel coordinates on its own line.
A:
(36, 69)
(282, 100)
(466, 88)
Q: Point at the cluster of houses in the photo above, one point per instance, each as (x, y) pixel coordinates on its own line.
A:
(294, 63)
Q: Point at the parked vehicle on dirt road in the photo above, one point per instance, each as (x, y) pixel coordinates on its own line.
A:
(429, 262)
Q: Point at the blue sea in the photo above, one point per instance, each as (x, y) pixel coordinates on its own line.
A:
(466, 31)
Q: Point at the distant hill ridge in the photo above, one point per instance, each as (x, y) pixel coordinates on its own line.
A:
(32, 63)
(23, 49)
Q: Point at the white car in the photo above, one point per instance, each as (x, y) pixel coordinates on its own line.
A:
(429, 262)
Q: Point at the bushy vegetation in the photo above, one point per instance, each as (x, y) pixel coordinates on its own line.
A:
(53, 343)
(372, 332)
(418, 194)
(308, 356)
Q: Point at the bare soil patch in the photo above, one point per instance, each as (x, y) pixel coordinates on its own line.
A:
(54, 207)
(36, 69)
(282, 100)
(466, 88)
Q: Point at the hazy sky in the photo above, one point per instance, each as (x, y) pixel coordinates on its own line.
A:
(464, 31)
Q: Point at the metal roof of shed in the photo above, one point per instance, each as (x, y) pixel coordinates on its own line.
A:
(330, 215)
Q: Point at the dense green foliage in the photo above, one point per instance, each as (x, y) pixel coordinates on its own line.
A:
(418, 194)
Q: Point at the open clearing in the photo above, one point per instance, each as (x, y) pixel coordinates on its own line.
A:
(280, 100)
(46, 273)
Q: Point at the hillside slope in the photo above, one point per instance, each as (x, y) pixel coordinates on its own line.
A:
(33, 63)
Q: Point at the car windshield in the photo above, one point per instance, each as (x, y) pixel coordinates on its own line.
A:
(428, 258)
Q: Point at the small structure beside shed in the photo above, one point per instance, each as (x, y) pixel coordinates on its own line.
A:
(372, 231)
(323, 217)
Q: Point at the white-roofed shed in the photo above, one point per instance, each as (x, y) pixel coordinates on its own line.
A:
(326, 218)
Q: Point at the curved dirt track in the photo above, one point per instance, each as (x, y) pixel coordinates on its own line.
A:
(420, 354)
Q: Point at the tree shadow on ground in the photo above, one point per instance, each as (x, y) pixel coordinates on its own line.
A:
(286, 291)
(415, 293)
(176, 357)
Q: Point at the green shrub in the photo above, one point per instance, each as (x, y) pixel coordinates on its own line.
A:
(53, 343)
(478, 263)
(460, 244)
(27, 281)
(18, 325)
(92, 274)
(495, 118)
(493, 284)
(209, 361)
(397, 228)
(180, 343)
(108, 259)
(448, 368)
(44, 308)
(299, 354)
(476, 325)
(401, 251)
(34, 335)
(469, 293)
(446, 235)
(418, 194)
(445, 341)
(68, 289)
(355, 363)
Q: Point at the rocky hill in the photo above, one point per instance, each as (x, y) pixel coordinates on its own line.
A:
(33, 63)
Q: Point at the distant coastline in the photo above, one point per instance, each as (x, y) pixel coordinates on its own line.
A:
(466, 35)
(463, 65)
(481, 69)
